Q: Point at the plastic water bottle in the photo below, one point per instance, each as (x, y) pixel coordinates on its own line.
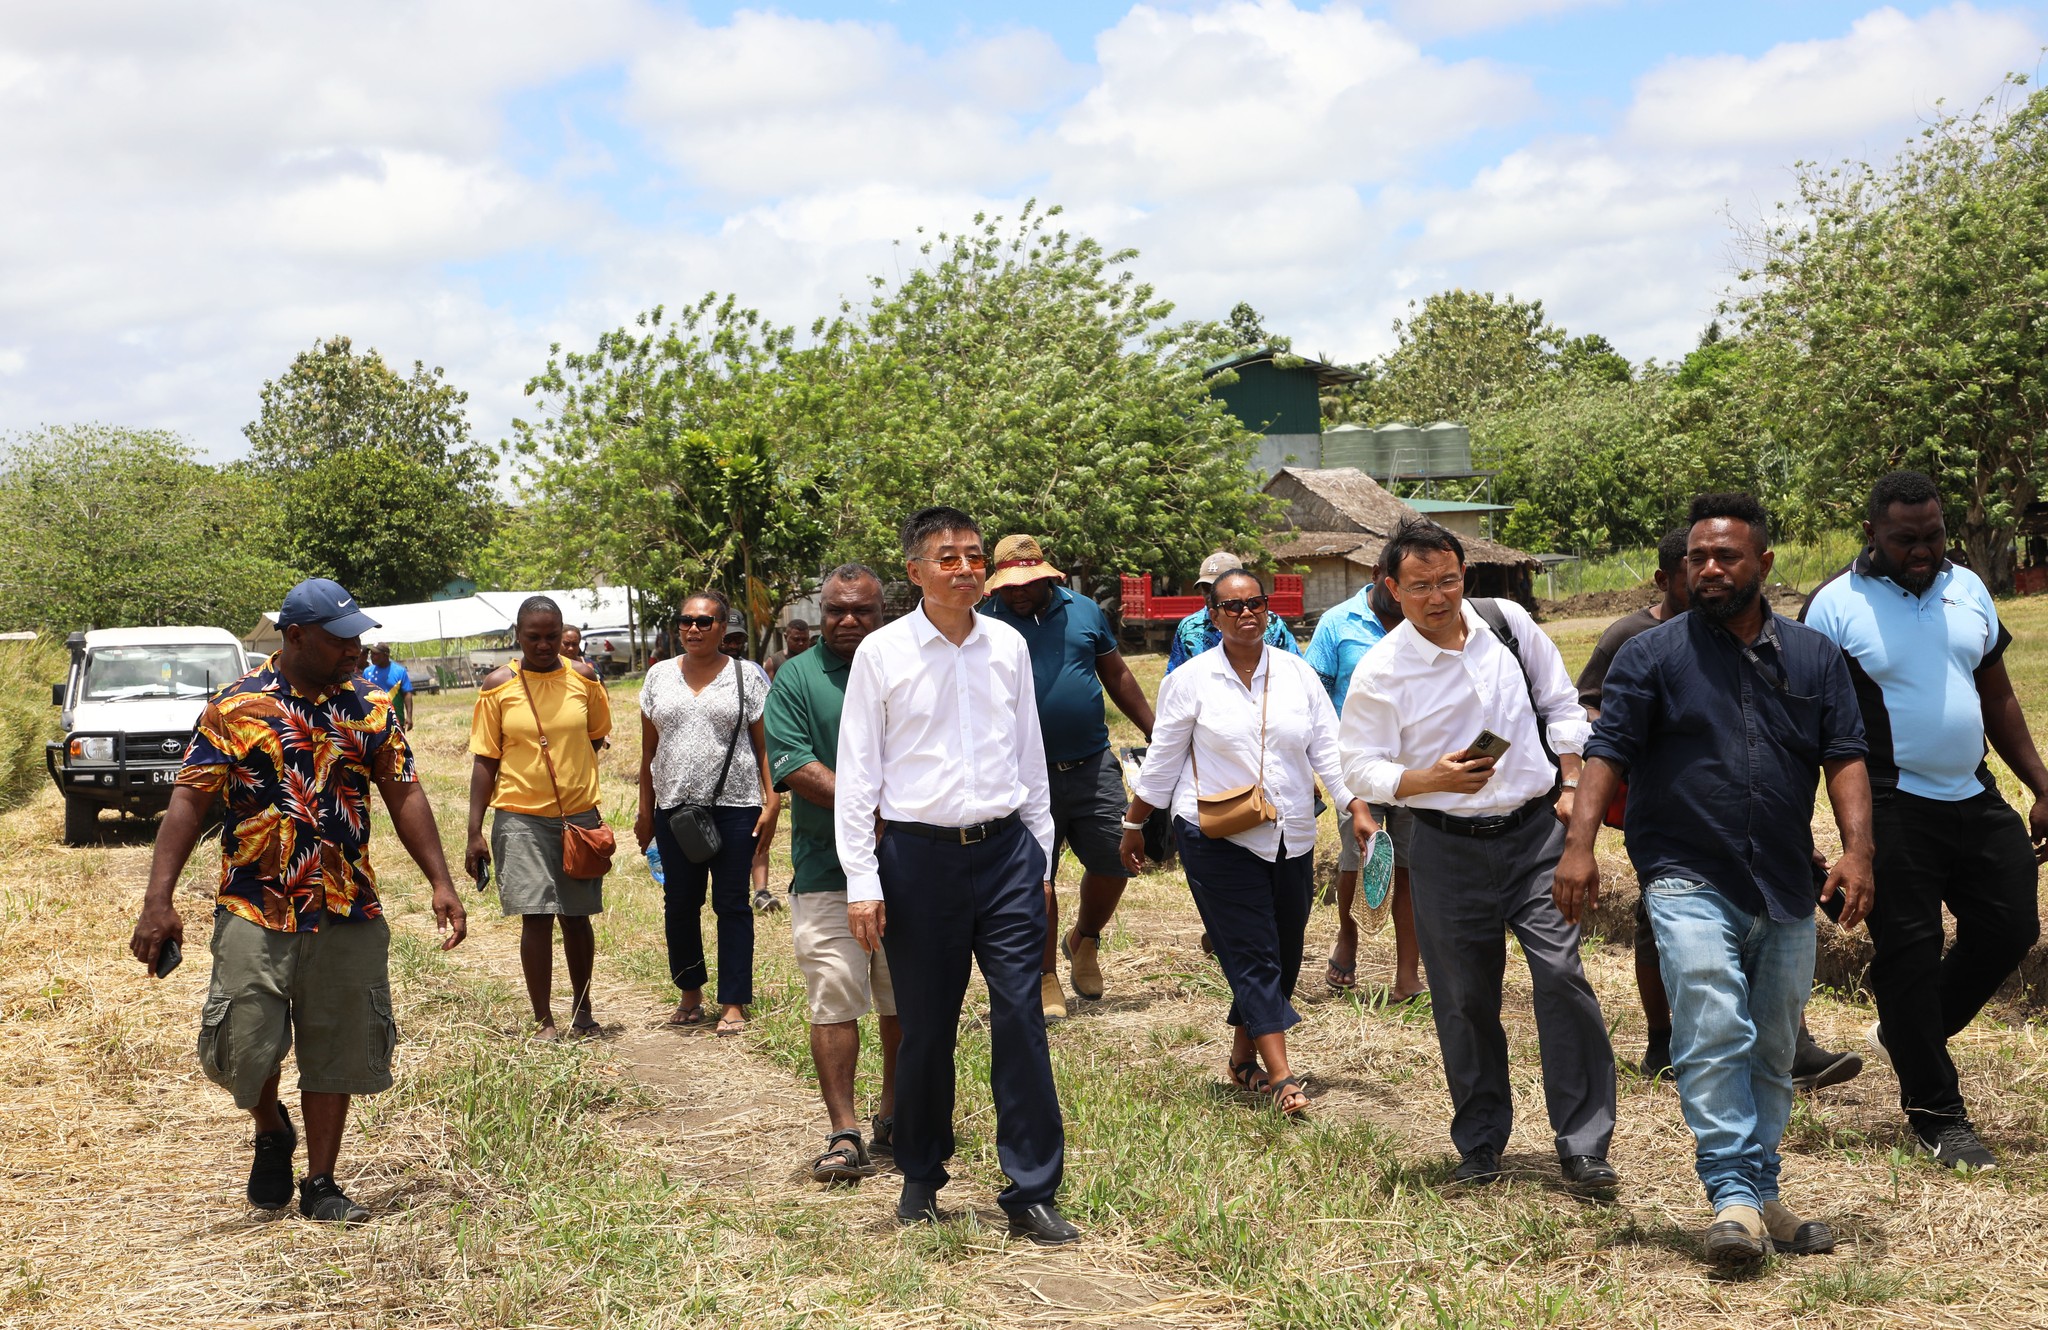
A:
(654, 863)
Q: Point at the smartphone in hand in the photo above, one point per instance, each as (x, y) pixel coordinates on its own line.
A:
(483, 876)
(168, 957)
(1488, 744)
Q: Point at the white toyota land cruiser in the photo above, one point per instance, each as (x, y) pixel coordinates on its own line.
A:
(131, 702)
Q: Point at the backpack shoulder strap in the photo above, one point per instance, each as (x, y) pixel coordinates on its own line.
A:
(1489, 610)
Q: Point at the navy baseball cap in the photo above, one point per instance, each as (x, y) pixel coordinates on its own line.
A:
(324, 604)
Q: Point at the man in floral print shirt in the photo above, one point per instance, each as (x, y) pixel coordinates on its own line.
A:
(299, 938)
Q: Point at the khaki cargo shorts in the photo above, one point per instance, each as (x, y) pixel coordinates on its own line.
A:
(330, 992)
(843, 981)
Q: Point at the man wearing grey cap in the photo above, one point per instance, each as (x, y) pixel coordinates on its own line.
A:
(1197, 633)
(299, 938)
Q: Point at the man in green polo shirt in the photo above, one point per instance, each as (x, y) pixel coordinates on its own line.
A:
(843, 979)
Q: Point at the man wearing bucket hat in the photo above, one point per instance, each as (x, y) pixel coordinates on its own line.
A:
(1074, 661)
(1198, 633)
(299, 937)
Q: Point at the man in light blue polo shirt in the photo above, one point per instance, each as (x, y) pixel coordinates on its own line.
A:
(1344, 633)
(1927, 655)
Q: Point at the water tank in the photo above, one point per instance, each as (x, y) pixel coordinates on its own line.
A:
(1447, 448)
(1400, 450)
(1348, 445)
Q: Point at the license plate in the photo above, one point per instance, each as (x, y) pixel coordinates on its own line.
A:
(163, 778)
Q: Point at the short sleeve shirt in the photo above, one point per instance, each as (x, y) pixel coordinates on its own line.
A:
(295, 773)
(1342, 637)
(1594, 676)
(1914, 661)
(392, 678)
(694, 730)
(574, 711)
(802, 724)
(1196, 634)
(1065, 640)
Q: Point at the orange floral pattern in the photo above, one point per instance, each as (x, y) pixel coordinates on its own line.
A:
(295, 773)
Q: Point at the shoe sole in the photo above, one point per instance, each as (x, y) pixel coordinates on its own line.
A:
(1594, 1188)
(1844, 1068)
(1737, 1253)
(1808, 1248)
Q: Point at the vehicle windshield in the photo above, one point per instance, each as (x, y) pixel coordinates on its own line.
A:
(114, 674)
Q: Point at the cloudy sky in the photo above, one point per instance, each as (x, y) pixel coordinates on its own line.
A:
(195, 192)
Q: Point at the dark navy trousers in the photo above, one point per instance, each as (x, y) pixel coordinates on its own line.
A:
(945, 904)
(730, 876)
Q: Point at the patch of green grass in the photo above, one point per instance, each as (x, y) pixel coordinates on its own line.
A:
(1855, 1284)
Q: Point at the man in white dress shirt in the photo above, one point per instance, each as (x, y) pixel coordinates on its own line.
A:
(944, 829)
(1488, 833)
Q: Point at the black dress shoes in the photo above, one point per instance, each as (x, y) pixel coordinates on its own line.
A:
(1480, 1167)
(1043, 1225)
(919, 1204)
(1589, 1173)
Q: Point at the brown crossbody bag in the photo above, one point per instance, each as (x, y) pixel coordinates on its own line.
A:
(586, 851)
(1228, 812)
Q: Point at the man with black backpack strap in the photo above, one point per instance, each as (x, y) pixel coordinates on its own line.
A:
(1465, 715)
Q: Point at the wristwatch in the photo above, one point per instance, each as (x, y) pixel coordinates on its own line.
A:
(1128, 825)
(1569, 784)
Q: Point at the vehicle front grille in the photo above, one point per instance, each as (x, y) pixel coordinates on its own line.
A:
(168, 747)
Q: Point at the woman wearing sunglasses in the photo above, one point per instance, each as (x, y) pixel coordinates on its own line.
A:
(1242, 732)
(704, 759)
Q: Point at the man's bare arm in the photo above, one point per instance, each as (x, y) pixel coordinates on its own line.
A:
(412, 817)
(813, 782)
(175, 837)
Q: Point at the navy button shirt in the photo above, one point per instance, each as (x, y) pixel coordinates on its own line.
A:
(1723, 755)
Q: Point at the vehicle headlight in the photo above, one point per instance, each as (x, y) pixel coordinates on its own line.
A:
(100, 749)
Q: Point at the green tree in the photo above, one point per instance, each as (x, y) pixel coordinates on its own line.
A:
(106, 527)
(1026, 375)
(1462, 355)
(654, 465)
(1899, 317)
(384, 491)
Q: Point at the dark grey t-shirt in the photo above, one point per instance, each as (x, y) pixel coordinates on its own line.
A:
(1621, 630)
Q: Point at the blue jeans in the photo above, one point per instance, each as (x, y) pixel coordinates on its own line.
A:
(1738, 983)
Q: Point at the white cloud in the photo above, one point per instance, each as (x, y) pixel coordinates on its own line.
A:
(197, 194)
(1886, 69)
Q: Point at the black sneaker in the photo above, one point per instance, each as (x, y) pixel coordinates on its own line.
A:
(1816, 1068)
(270, 1173)
(1656, 1063)
(1955, 1145)
(320, 1199)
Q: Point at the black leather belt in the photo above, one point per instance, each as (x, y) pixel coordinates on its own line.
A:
(1080, 762)
(969, 835)
(1486, 828)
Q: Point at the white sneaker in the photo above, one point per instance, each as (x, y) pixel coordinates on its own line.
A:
(1874, 1036)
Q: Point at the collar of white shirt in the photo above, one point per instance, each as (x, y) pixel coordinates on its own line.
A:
(925, 630)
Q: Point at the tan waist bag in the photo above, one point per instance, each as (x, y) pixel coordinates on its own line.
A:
(1228, 812)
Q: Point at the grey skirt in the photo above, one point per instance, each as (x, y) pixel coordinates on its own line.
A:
(526, 851)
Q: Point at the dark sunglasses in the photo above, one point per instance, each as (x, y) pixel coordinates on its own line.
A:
(696, 620)
(1247, 605)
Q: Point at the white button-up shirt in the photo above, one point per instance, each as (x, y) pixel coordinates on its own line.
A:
(938, 734)
(1207, 717)
(1412, 701)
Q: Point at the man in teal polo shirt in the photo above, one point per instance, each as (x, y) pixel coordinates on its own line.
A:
(1074, 661)
(842, 979)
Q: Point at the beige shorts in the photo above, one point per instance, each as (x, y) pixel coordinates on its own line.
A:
(844, 981)
(330, 989)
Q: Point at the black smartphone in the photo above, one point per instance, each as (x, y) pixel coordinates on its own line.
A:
(483, 875)
(167, 957)
(1488, 744)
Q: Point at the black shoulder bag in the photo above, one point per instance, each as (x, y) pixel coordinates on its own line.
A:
(692, 826)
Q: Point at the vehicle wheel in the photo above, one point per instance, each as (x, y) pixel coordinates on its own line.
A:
(81, 821)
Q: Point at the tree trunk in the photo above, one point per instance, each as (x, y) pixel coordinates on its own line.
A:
(1990, 550)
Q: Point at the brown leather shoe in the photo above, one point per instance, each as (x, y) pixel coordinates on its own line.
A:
(1736, 1237)
(1052, 998)
(1082, 966)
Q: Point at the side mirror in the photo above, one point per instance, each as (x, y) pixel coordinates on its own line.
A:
(57, 694)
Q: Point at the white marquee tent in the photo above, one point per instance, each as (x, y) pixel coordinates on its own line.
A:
(485, 614)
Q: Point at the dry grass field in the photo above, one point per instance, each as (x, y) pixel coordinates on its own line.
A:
(654, 1178)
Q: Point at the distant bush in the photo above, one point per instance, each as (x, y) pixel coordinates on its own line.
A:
(27, 720)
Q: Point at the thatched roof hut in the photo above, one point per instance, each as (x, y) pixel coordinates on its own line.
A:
(1341, 518)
